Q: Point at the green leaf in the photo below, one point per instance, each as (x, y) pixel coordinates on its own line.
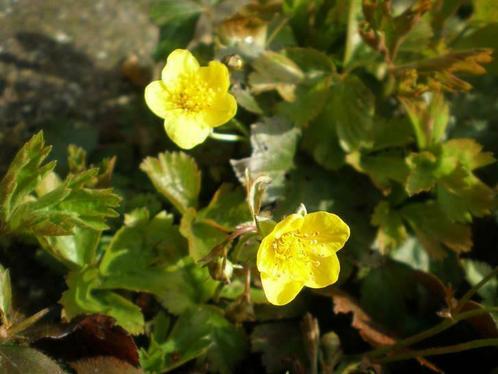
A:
(353, 107)
(434, 228)
(462, 195)
(320, 139)
(148, 255)
(273, 144)
(185, 286)
(201, 331)
(281, 345)
(383, 168)
(392, 231)
(272, 71)
(392, 132)
(166, 11)
(176, 176)
(5, 296)
(429, 119)
(141, 245)
(56, 212)
(401, 294)
(314, 63)
(423, 167)
(16, 359)
(227, 209)
(202, 236)
(306, 105)
(484, 11)
(85, 296)
(246, 100)
(24, 174)
(79, 249)
(468, 153)
(412, 253)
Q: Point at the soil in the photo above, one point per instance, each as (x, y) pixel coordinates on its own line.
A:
(61, 62)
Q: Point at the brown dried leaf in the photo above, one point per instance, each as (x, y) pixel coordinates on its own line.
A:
(104, 365)
(368, 329)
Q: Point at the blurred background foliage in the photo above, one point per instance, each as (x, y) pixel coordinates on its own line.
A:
(381, 111)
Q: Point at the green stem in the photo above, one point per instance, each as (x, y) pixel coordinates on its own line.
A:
(352, 25)
(435, 351)
(25, 323)
(276, 30)
(241, 127)
(468, 295)
(447, 323)
(227, 137)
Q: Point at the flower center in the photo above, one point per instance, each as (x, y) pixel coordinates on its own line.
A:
(292, 252)
(191, 94)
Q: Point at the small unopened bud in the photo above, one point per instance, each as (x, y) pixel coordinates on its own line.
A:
(221, 269)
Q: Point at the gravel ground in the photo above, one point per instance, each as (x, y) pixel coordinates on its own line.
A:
(61, 60)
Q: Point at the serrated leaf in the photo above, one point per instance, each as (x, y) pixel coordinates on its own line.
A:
(176, 176)
(201, 331)
(468, 153)
(353, 111)
(21, 360)
(462, 195)
(273, 147)
(385, 31)
(5, 296)
(85, 296)
(429, 119)
(56, 212)
(439, 73)
(434, 228)
(24, 174)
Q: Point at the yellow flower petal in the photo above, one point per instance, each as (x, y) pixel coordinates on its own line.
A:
(216, 76)
(329, 230)
(180, 63)
(186, 131)
(290, 223)
(325, 273)
(222, 110)
(266, 255)
(279, 290)
(156, 98)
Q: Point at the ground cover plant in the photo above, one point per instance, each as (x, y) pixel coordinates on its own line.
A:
(303, 186)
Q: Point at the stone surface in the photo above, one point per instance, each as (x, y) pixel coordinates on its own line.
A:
(60, 62)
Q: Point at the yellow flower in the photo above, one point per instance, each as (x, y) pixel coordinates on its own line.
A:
(301, 251)
(191, 99)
